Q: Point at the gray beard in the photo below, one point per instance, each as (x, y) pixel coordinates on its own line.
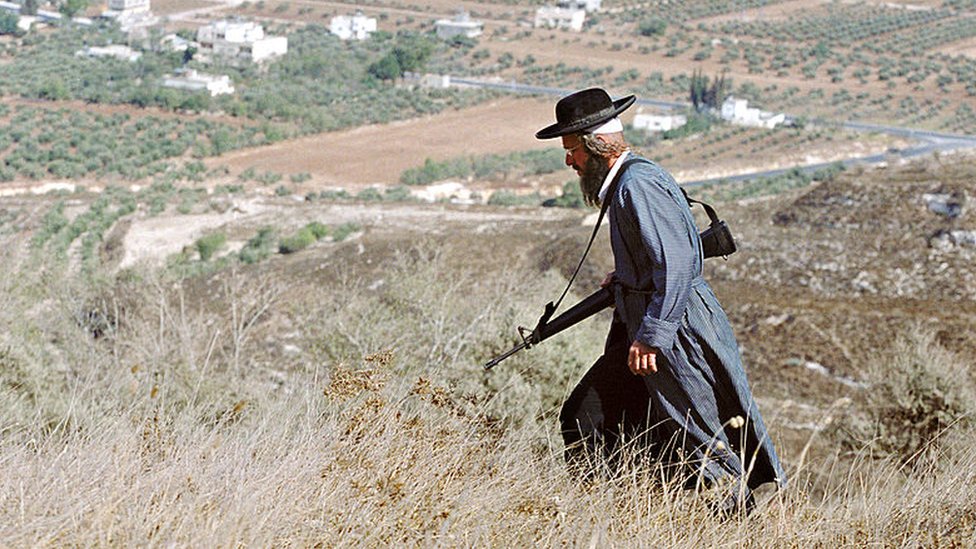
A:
(592, 175)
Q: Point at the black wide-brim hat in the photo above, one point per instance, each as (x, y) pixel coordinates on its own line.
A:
(583, 110)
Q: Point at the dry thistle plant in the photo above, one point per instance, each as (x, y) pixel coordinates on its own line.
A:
(167, 431)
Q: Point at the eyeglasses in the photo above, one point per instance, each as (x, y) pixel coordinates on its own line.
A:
(572, 149)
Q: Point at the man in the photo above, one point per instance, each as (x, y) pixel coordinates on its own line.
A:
(671, 377)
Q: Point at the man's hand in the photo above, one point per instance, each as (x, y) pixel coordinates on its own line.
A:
(642, 359)
(607, 280)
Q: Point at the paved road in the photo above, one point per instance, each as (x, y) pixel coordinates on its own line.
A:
(929, 141)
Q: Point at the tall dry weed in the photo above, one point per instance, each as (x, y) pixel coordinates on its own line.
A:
(920, 397)
(345, 414)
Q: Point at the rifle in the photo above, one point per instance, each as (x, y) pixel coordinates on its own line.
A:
(545, 329)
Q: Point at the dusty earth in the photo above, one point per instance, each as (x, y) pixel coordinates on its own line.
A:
(378, 154)
(964, 47)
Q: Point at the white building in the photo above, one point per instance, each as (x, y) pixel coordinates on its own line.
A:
(737, 111)
(461, 25)
(554, 17)
(130, 14)
(189, 79)
(434, 81)
(589, 6)
(652, 123)
(449, 191)
(128, 7)
(117, 51)
(239, 40)
(26, 22)
(174, 42)
(357, 26)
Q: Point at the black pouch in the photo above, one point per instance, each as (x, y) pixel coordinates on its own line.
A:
(717, 239)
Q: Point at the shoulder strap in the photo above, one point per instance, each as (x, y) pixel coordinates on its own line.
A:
(596, 228)
(712, 216)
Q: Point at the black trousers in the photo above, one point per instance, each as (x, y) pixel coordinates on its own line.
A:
(608, 407)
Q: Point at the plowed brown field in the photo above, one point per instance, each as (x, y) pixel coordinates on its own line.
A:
(378, 154)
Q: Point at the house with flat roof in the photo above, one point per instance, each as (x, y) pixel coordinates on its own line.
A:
(554, 17)
(737, 111)
(588, 6)
(428, 80)
(352, 27)
(239, 41)
(130, 14)
(117, 51)
(460, 25)
(191, 80)
(653, 123)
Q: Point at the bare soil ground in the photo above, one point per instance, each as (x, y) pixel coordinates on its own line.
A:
(378, 154)
(776, 12)
(963, 47)
(164, 8)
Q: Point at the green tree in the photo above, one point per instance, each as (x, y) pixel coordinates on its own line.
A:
(387, 68)
(708, 95)
(412, 52)
(652, 26)
(29, 7)
(408, 55)
(70, 8)
(53, 89)
(8, 22)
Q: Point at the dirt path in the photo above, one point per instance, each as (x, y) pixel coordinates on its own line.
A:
(152, 239)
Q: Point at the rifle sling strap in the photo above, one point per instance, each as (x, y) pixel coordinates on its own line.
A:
(551, 308)
(596, 228)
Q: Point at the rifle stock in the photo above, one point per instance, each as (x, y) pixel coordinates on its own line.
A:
(589, 306)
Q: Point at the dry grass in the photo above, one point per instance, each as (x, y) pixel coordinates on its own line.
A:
(246, 410)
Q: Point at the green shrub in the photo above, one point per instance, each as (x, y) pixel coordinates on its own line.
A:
(397, 194)
(334, 195)
(208, 245)
(512, 165)
(572, 197)
(52, 223)
(248, 175)
(259, 247)
(268, 178)
(319, 230)
(919, 392)
(299, 241)
(508, 198)
(343, 231)
(697, 123)
(369, 195)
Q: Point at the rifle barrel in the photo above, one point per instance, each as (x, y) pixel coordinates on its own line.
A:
(494, 362)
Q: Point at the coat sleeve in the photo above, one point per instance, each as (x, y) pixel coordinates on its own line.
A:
(656, 222)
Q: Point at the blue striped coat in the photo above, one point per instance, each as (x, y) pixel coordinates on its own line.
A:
(661, 297)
